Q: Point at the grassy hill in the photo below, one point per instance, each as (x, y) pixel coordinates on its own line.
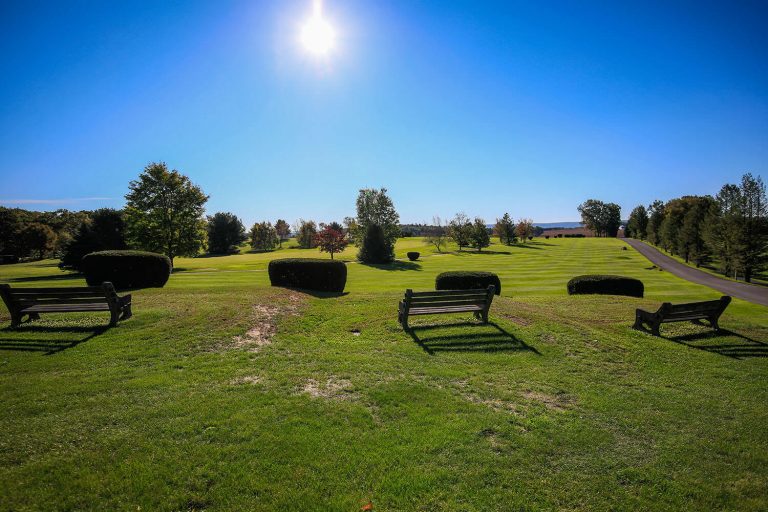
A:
(222, 393)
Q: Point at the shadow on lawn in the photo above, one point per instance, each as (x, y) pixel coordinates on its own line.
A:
(395, 265)
(494, 339)
(47, 345)
(743, 348)
(58, 277)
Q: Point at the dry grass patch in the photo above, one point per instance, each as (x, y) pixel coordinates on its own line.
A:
(265, 318)
(560, 401)
(332, 389)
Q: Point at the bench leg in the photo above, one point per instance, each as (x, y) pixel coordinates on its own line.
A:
(15, 318)
(638, 320)
(126, 312)
(114, 317)
(713, 323)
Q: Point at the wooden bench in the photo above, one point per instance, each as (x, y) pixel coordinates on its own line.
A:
(445, 302)
(33, 301)
(693, 311)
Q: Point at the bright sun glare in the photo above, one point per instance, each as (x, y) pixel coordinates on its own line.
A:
(317, 35)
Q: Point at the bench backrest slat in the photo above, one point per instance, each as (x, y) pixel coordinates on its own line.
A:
(449, 303)
(443, 293)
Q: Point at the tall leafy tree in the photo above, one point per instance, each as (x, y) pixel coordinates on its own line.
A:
(604, 219)
(655, 218)
(37, 239)
(225, 233)
(104, 230)
(692, 244)
(283, 230)
(10, 227)
(375, 207)
(305, 233)
(505, 229)
(460, 230)
(637, 224)
(754, 228)
(723, 233)
(479, 236)
(263, 236)
(436, 234)
(375, 248)
(331, 239)
(164, 212)
(524, 229)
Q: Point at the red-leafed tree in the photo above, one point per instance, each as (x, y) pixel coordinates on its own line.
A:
(331, 239)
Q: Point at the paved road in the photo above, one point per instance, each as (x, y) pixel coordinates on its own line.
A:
(752, 293)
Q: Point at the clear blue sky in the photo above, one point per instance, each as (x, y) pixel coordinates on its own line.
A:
(486, 107)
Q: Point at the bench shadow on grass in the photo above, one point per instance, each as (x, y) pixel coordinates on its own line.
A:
(743, 347)
(71, 337)
(58, 277)
(488, 337)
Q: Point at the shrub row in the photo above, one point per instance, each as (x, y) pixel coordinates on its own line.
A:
(126, 269)
(461, 280)
(308, 273)
(605, 285)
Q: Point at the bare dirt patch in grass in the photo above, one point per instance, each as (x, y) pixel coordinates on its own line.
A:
(332, 389)
(245, 379)
(560, 401)
(265, 319)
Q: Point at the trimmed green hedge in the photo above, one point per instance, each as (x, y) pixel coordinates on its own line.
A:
(126, 269)
(606, 285)
(308, 273)
(461, 280)
(413, 255)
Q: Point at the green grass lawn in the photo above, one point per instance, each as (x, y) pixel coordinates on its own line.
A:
(222, 393)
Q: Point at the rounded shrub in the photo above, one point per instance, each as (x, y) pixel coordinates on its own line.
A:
(126, 269)
(606, 285)
(461, 280)
(308, 273)
(413, 255)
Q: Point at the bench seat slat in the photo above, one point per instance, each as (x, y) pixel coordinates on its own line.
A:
(63, 308)
(444, 303)
(446, 309)
(74, 301)
(441, 293)
(427, 300)
(55, 294)
(78, 289)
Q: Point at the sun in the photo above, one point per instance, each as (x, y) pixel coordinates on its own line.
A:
(317, 35)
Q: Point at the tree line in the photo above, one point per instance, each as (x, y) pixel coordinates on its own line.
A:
(728, 231)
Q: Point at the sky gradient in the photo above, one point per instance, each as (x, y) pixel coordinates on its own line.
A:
(483, 107)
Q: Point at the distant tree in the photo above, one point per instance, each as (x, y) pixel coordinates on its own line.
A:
(479, 237)
(225, 233)
(263, 236)
(754, 226)
(505, 229)
(655, 218)
(460, 230)
(104, 230)
(10, 227)
(331, 239)
(37, 239)
(283, 230)
(604, 219)
(375, 248)
(351, 229)
(436, 234)
(524, 229)
(638, 223)
(674, 213)
(305, 233)
(374, 207)
(692, 242)
(723, 229)
(164, 213)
